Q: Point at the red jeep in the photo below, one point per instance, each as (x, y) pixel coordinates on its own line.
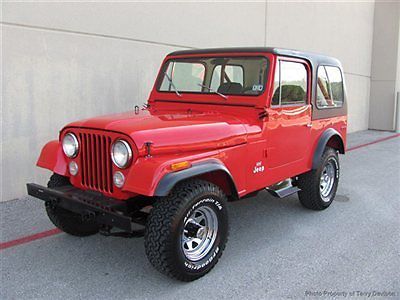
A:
(219, 125)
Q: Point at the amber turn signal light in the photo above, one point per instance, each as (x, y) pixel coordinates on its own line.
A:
(180, 166)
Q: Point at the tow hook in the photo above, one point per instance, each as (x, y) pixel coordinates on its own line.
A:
(105, 230)
(52, 203)
(88, 216)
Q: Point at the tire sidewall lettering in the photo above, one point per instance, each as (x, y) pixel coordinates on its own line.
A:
(205, 200)
(209, 258)
(195, 267)
(337, 166)
(337, 174)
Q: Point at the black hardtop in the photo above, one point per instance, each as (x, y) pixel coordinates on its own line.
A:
(314, 58)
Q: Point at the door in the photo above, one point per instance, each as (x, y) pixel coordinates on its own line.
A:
(289, 118)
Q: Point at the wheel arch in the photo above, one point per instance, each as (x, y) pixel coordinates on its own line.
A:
(212, 171)
(330, 138)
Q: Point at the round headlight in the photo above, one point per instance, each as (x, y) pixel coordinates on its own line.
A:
(70, 145)
(121, 154)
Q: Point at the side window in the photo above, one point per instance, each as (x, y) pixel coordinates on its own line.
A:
(336, 83)
(290, 84)
(233, 72)
(324, 98)
(329, 87)
(276, 95)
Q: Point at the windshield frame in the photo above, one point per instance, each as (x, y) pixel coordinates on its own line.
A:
(168, 59)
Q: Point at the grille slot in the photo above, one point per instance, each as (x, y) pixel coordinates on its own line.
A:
(96, 162)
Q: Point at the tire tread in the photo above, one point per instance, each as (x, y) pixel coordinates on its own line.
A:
(158, 230)
(309, 195)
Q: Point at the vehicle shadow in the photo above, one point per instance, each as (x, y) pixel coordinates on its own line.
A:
(258, 225)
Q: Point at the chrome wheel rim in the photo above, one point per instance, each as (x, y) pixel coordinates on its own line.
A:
(327, 180)
(199, 233)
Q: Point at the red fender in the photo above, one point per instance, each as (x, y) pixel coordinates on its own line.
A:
(52, 158)
(153, 170)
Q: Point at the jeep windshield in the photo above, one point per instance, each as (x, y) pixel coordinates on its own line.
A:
(214, 75)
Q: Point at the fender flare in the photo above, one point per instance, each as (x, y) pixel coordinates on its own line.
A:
(52, 158)
(167, 183)
(323, 140)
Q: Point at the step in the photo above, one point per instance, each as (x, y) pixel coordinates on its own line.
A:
(284, 192)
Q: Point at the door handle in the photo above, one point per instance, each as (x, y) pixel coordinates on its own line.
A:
(309, 125)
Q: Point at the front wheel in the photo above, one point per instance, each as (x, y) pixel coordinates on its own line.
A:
(187, 231)
(66, 220)
(318, 187)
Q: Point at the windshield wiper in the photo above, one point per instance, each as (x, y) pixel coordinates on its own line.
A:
(213, 91)
(173, 85)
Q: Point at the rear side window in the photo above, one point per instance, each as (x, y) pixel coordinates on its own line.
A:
(290, 84)
(330, 92)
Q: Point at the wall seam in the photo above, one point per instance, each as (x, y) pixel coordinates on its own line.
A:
(356, 74)
(265, 23)
(100, 35)
(383, 80)
(371, 68)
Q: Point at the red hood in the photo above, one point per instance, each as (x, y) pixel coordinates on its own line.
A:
(176, 131)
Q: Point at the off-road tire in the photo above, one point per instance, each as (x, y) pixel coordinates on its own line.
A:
(309, 183)
(65, 220)
(165, 225)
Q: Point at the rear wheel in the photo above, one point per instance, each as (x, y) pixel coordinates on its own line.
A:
(318, 187)
(187, 231)
(66, 220)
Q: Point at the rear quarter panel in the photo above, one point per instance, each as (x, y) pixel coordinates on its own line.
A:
(320, 125)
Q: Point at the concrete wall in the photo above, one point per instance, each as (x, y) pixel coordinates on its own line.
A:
(66, 61)
(384, 65)
(342, 30)
(398, 83)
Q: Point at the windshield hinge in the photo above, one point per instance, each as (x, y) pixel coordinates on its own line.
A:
(148, 148)
(263, 114)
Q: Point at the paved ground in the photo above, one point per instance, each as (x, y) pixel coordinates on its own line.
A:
(276, 249)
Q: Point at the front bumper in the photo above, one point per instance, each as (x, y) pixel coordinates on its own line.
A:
(92, 205)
